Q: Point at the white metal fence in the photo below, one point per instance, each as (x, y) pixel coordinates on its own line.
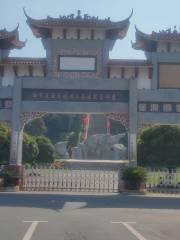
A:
(163, 180)
(45, 177)
(48, 178)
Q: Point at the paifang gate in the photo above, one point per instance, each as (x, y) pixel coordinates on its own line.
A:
(77, 76)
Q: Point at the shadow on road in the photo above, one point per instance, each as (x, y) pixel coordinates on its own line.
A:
(57, 201)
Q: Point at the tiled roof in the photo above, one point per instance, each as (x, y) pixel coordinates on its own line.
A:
(77, 21)
(10, 39)
(164, 35)
(5, 34)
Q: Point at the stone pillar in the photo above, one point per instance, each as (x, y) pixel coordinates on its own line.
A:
(16, 125)
(132, 145)
(132, 135)
(51, 57)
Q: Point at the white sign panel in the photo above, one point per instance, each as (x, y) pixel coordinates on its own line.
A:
(68, 63)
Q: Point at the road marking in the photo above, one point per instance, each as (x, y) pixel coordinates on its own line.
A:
(122, 222)
(131, 229)
(31, 229)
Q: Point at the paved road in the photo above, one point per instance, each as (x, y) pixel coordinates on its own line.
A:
(88, 217)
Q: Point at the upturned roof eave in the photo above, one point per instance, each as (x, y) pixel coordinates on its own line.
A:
(4, 34)
(157, 37)
(56, 22)
(12, 38)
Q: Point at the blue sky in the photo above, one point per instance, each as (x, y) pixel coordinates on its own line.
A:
(148, 15)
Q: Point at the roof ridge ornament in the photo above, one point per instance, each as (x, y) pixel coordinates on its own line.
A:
(166, 31)
(79, 16)
(114, 29)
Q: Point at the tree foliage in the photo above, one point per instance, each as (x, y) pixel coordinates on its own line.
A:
(159, 146)
(30, 149)
(4, 144)
(36, 127)
(46, 150)
(56, 125)
(117, 127)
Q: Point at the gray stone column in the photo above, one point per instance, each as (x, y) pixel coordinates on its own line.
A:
(132, 144)
(16, 125)
(132, 134)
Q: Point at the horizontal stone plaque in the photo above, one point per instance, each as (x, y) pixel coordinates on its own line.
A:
(77, 63)
(76, 95)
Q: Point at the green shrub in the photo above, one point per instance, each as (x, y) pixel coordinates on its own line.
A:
(9, 173)
(30, 149)
(46, 150)
(159, 146)
(36, 127)
(4, 144)
(134, 177)
(10, 177)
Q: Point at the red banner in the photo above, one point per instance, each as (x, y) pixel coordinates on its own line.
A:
(108, 125)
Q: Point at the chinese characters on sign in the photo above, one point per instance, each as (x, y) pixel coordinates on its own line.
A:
(76, 95)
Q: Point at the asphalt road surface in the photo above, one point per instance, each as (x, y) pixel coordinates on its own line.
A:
(28, 216)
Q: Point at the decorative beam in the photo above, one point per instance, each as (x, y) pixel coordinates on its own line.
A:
(29, 116)
(123, 118)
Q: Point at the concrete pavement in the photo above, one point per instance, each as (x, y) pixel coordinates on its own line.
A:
(88, 217)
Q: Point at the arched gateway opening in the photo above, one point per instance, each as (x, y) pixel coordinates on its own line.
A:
(80, 137)
(86, 156)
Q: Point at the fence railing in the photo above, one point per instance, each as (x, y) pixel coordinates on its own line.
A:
(163, 180)
(48, 178)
